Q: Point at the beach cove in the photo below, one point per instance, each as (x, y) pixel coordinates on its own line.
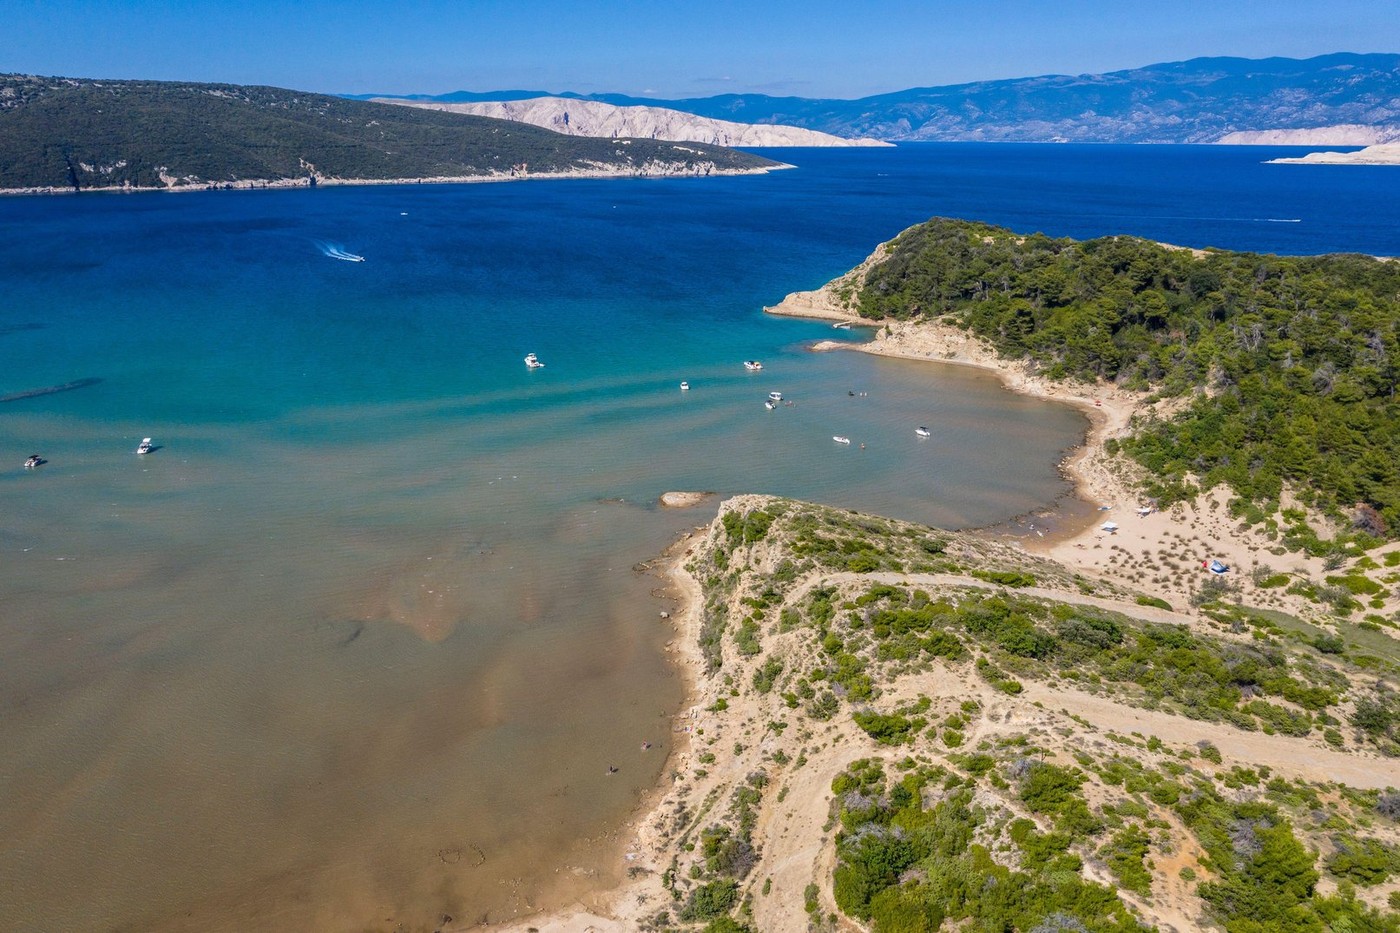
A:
(794, 848)
(369, 522)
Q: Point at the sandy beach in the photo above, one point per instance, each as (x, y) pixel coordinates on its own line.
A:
(1160, 552)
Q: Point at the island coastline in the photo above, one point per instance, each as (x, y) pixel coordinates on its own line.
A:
(262, 184)
(1082, 546)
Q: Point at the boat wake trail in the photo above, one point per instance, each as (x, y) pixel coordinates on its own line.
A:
(336, 251)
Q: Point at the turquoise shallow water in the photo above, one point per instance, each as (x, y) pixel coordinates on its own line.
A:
(361, 639)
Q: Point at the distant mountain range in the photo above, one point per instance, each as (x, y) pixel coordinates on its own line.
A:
(577, 117)
(77, 134)
(1342, 98)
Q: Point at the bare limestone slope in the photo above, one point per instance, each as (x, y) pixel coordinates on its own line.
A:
(594, 118)
(1371, 155)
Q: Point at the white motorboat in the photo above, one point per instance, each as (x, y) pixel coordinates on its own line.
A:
(840, 440)
(685, 387)
(842, 325)
(752, 366)
(775, 396)
(770, 405)
(34, 460)
(922, 431)
(145, 446)
(533, 362)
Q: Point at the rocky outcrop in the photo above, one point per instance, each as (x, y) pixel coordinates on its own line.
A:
(1371, 155)
(597, 119)
(1344, 134)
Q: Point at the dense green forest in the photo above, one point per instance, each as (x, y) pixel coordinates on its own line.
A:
(69, 133)
(1290, 364)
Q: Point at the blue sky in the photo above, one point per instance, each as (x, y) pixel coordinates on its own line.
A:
(809, 48)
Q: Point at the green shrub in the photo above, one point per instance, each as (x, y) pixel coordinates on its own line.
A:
(746, 638)
(823, 706)
(1013, 578)
(711, 900)
(891, 729)
(1364, 861)
(766, 676)
(1357, 585)
(1124, 854)
(1047, 788)
(748, 528)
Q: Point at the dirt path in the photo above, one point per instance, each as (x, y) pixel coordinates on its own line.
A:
(1146, 613)
(1286, 755)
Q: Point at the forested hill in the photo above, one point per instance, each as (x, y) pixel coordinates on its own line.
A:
(75, 134)
(1291, 363)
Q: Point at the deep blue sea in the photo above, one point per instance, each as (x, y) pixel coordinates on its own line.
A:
(361, 638)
